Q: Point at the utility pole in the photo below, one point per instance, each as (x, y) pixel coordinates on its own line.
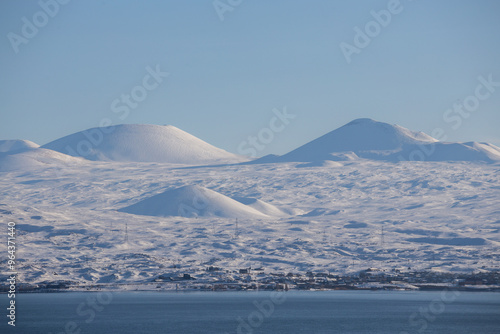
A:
(382, 237)
(126, 232)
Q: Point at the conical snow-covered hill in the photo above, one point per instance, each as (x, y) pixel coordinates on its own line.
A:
(192, 201)
(16, 145)
(35, 158)
(369, 139)
(141, 143)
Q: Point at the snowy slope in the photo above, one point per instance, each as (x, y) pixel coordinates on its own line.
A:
(261, 206)
(435, 216)
(35, 159)
(492, 151)
(329, 209)
(141, 143)
(369, 139)
(192, 201)
(474, 152)
(16, 145)
(359, 136)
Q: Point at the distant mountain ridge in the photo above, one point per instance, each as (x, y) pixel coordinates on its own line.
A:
(369, 139)
(141, 143)
(362, 138)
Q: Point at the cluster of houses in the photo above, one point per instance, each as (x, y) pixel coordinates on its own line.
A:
(370, 279)
(218, 279)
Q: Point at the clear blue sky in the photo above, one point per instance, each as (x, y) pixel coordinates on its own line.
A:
(226, 76)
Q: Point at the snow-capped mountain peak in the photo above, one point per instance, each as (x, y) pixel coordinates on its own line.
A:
(141, 143)
(16, 145)
(369, 139)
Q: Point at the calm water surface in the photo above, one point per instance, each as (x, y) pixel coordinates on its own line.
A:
(256, 312)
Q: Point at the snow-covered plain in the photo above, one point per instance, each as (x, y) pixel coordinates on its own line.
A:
(339, 217)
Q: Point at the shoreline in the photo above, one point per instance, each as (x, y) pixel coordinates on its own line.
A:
(170, 289)
(253, 280)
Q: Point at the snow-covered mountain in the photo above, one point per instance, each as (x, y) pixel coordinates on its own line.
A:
(16, 145)
(353, 215)
(337, 205)
(35, 158)
(362, 138)
(369, 139)
(192, 201)
(141, 143)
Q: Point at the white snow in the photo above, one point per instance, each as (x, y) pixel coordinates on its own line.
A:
(323, 163)
(16, 145)
(369, 139)
(35, 158)
(192, 201)
(492, 151)
(262, 206)
(325, 214)
(142, 143)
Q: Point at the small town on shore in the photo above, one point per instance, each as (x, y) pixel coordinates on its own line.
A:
(256, 279)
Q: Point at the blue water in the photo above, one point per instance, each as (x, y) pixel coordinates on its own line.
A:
(256, 312)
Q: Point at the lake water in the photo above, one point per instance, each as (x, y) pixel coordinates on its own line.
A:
(256, 312)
